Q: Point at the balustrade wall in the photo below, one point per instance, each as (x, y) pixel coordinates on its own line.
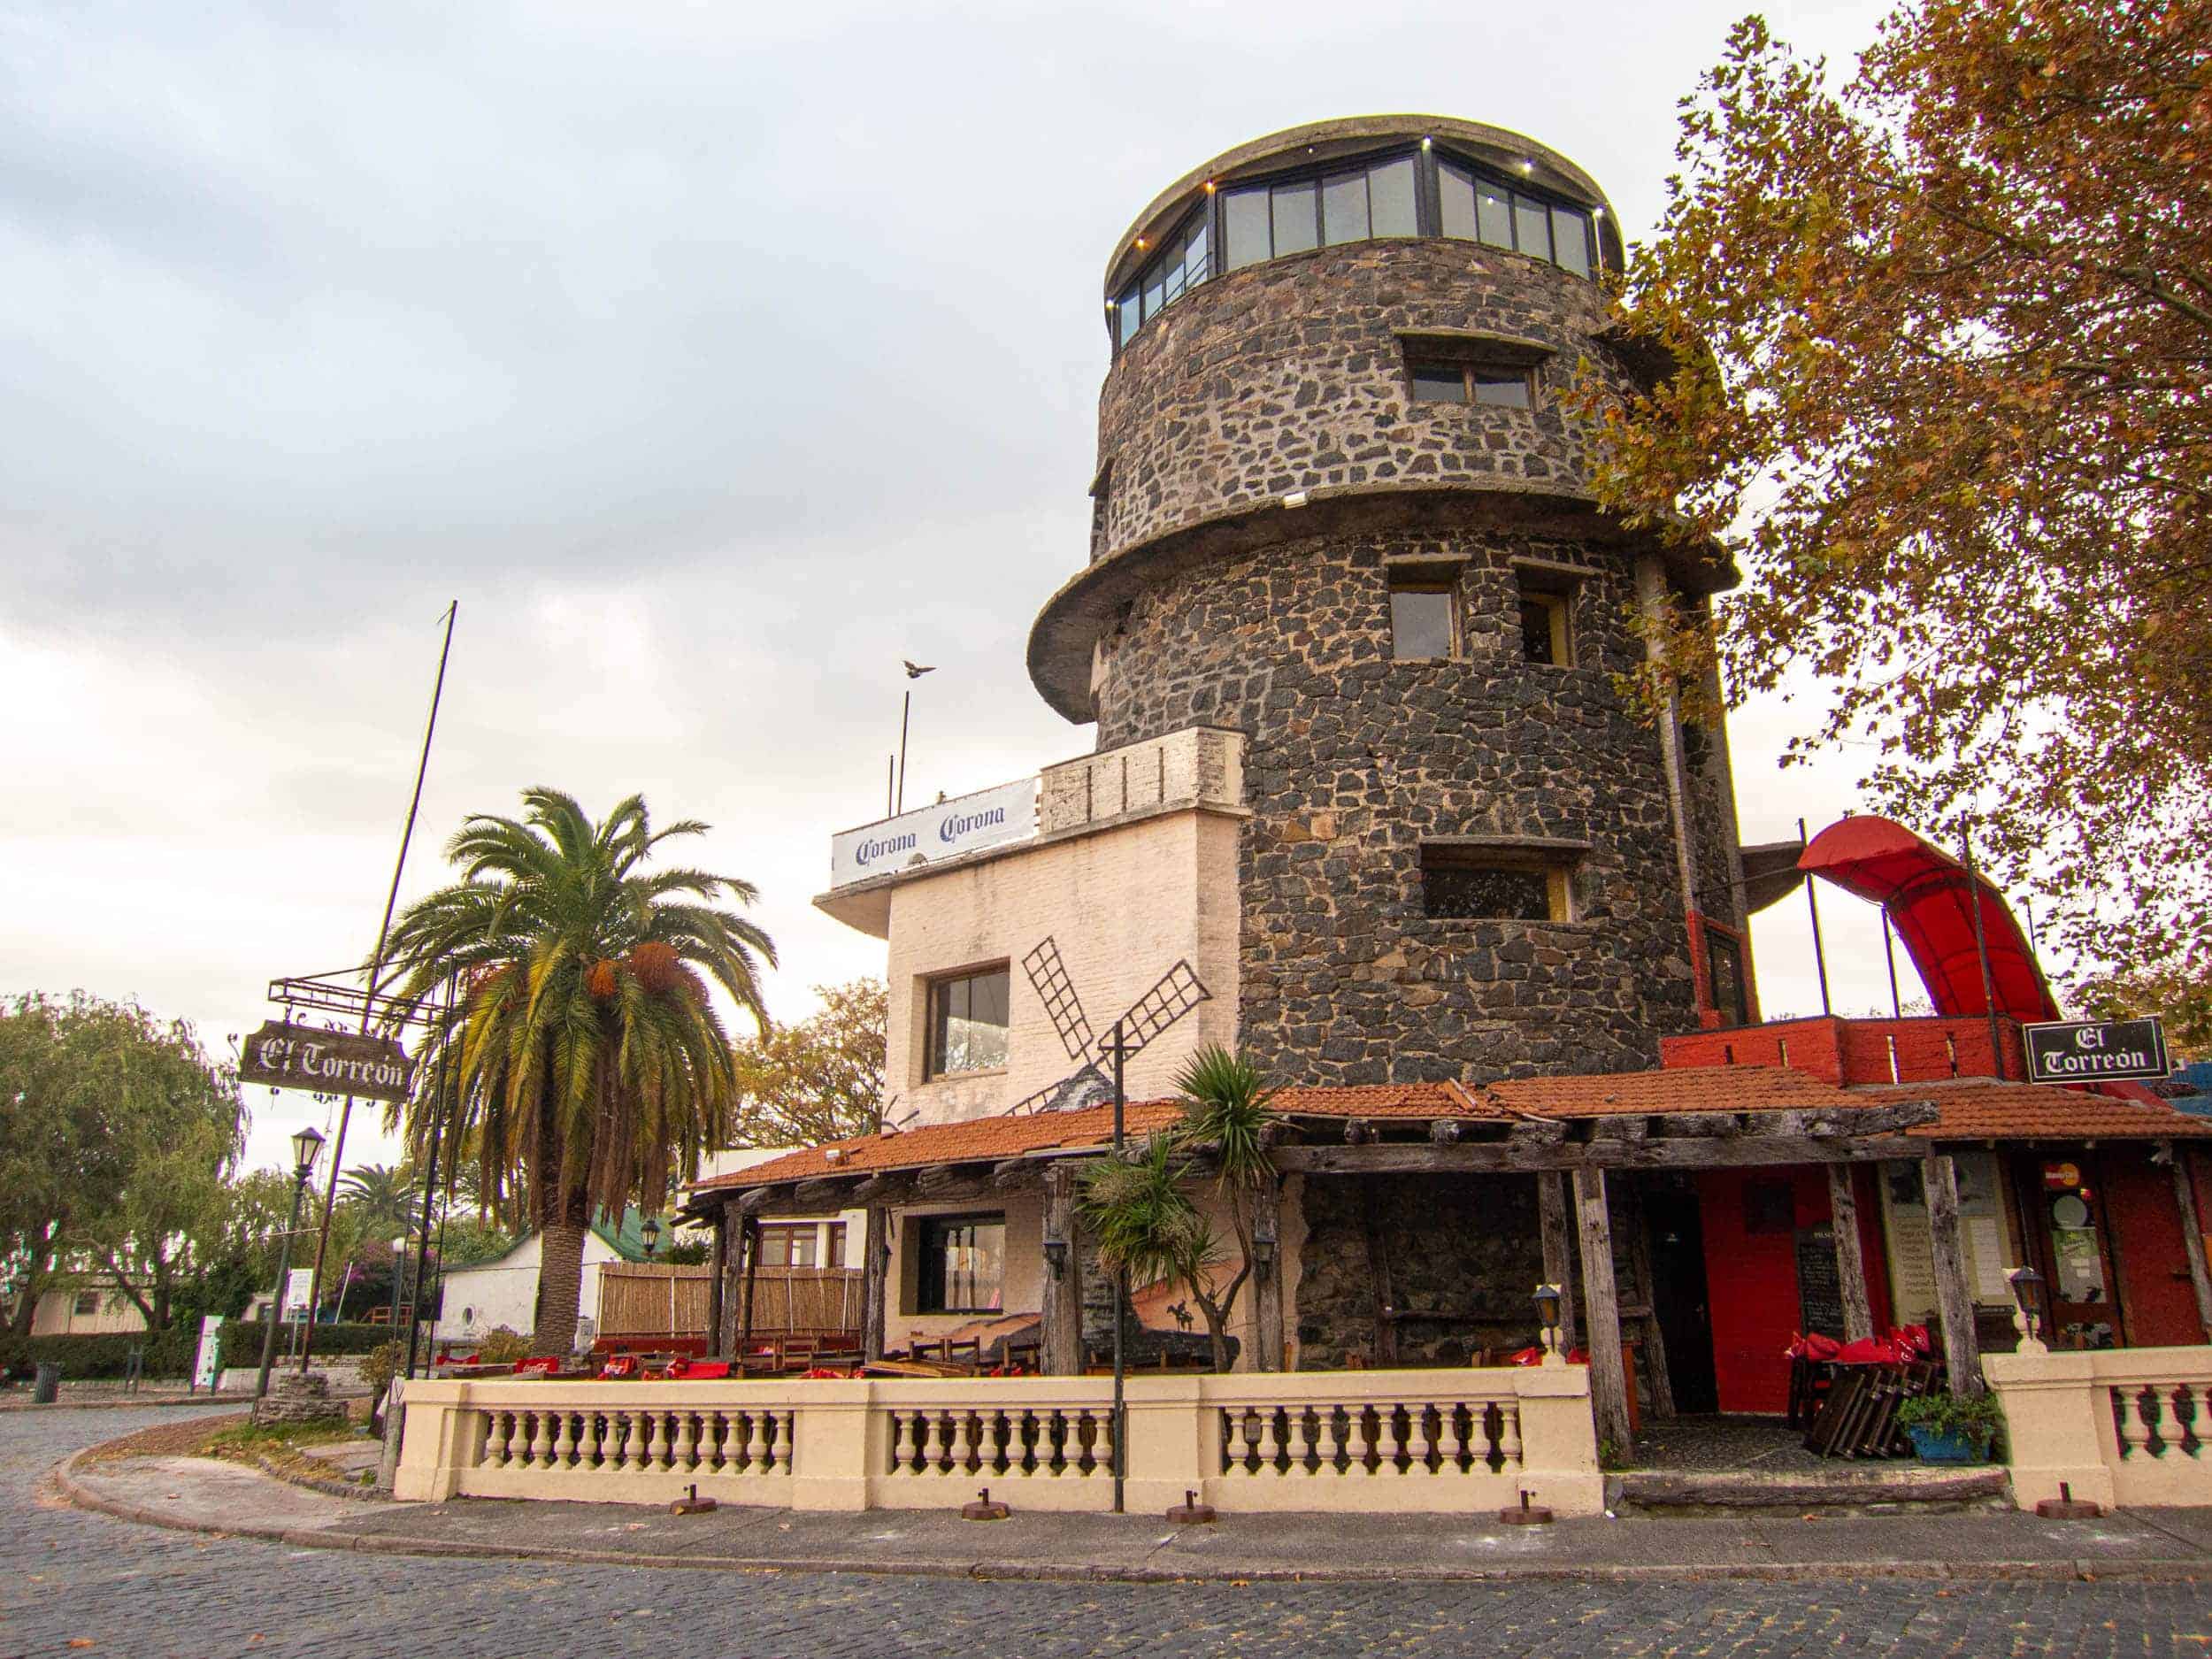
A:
(1412, 1440)
(2116, 1425)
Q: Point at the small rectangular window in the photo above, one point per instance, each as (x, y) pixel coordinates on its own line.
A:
(1420, 617)
(1390, 198)
(963, 1263)
(1532, 221)
(1344, 209)
(1547, 619)
(1129, 313)
(1295, 218)
(967, 1023)
(88, 1304)
(1486, 884)
(1245, 228)
(1454, 380)
(837, 1246)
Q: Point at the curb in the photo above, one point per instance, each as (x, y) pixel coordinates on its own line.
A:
(2077, 1571)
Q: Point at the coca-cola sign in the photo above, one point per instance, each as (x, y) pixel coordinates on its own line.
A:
(327, 1062)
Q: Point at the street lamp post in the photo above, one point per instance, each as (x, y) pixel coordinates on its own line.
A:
(307, 1148)
(399, 1273)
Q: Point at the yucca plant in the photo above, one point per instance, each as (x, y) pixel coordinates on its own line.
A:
(1140, 1208)
(590, 1066)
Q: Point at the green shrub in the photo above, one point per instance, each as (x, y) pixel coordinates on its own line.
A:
(101, 1358)
(502, 1346)
(241, 1341)
(383, 1362)
(1977, 1417)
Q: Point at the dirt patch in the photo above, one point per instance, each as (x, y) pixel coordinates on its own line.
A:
(165, 1440)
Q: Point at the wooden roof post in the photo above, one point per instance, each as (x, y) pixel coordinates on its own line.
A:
(1551, 1213)
(1267, 1277)
(748, 1248)
(1609, 1387)
(1954, 1297)
(875, 1282)
(2191, 1233)
(1061, 1339)
(718, 1340)
(1843, 1212)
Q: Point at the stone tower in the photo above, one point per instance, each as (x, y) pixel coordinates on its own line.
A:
(1339, 508)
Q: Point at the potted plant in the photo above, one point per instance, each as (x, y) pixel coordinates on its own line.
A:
(1945, 1428)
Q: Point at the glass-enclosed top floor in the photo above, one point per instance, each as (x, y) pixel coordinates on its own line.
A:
(1423, 190)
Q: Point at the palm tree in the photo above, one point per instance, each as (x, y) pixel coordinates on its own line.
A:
(382, 1198)
(1147, 1226)
(590, 1066)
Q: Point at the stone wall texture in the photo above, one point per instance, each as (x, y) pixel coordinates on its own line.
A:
(1355, 758)
(1291, 375)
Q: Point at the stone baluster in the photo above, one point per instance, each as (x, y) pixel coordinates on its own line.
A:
(564, 1440)
(1510, 1434)
(687, 1441)
(588, 1439)
(755, 1442)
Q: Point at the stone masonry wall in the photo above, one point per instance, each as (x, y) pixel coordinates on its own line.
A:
(1291, 375)
(1354, 758)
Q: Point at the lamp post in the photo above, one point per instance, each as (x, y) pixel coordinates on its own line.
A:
(652, 1232)
(399, 1273)
(307, 1148)
(2027, 1290)
(1548, 1300)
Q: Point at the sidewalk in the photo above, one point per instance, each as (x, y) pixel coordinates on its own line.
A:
(202, 1496)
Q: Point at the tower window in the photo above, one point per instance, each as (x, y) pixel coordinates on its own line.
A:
(967, 1023)
(1725, 977)
(1546, 607)
(1421, 616)
(1488, 884)
(1437, 381)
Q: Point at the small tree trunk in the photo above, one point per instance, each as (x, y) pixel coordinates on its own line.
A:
(40, 1242)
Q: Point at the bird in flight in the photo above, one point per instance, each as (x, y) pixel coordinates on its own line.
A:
(915, 671)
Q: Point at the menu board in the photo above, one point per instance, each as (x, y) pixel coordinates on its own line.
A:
(1820, 1282)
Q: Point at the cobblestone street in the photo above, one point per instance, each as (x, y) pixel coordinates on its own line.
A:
(68, 1578)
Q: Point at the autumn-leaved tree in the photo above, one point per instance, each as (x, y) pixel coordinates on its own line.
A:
(818, 1078)
(1939, 334)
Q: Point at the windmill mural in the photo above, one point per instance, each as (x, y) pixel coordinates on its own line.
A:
(1172, 995)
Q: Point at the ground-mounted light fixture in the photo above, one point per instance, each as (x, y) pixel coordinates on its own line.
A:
(1548, 1300)
(2027, 1318)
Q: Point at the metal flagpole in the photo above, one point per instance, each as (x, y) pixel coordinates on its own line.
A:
(1981, 951)
(376, 969)
(906, 707)
(1121, 1300)
(1820, 957)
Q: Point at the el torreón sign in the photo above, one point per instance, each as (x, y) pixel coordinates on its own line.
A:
(2096, 1051)
(326, 1062)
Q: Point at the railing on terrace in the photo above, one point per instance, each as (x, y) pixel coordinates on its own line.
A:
(1452, 1440)
(2117, 1426)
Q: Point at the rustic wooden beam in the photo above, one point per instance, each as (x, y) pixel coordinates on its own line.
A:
(1843, 1210)
(1061, 1333)
(875, 1279)
(822, 1190)
(1267, 1285)
(749, 1238)
(1378, 1277)
(1647, 1314)
(1551, 1215)
(1405, 1158)
(2192, 1234)
(717, 1298)
(1609, 1387)
(1954, 1297)
(1358, 1132)
(888, 1187)
(1014, 1174)
(756, 1200)
(1444, 1131)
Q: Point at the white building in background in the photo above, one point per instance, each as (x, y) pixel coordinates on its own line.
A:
(503, 1292)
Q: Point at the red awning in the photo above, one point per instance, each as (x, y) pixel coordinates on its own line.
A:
(1925, 892)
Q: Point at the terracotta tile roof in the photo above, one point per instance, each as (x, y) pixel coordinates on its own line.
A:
(1985, 1110)
(1720, 1088)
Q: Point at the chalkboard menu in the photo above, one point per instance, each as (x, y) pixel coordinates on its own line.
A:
(1819, 1286)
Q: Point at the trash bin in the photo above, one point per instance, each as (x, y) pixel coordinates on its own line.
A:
(47, 1389)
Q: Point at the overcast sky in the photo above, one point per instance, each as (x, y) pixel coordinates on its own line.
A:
(714, 358)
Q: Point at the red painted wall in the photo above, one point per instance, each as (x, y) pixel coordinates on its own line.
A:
(1751, 1277)
(1846, 1051)
(2156, 1298)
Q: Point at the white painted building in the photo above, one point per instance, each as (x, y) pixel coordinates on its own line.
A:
(503, 1292)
